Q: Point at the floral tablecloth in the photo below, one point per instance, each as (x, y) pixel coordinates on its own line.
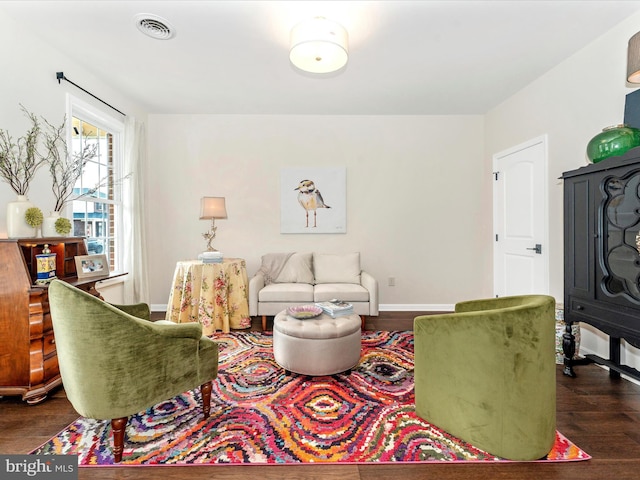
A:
(214, 294)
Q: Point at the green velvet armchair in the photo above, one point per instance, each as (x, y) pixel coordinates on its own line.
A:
(486, 374)
(114, 362)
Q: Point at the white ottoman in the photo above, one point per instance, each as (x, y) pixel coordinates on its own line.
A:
(317, 346)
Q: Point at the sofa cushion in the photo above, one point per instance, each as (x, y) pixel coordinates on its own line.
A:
(286, 292)
(348, 292)
(336, 268)
(297, 269)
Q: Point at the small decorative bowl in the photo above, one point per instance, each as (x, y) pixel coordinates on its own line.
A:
(304, 312)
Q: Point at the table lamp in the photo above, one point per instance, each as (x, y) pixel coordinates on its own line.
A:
(212, 208)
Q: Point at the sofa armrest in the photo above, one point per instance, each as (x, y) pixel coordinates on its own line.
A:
(256, 283)
(371, 284)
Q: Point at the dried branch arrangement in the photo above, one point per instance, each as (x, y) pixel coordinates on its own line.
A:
(19, 159)
(65, 168)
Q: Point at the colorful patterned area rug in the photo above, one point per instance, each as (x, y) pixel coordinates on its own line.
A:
(260, 415)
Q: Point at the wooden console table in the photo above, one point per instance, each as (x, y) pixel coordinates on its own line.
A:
(214, 294)
(28, 357)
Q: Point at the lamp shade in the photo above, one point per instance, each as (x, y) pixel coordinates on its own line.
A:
(319, 46)
(633, 59)
(212, 207)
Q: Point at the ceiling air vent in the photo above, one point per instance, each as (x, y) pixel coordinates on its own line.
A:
(154, 26)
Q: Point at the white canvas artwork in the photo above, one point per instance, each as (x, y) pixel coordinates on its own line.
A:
(313, 200)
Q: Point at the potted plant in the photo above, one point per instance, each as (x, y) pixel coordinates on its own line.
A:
(62, 226)
(19, 161)
(33, 216)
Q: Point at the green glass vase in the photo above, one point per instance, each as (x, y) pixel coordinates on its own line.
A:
(612, 141)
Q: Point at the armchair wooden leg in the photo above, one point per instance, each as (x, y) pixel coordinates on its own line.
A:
(363, 318)
(117, 426)
(205, 390)
(264, 322)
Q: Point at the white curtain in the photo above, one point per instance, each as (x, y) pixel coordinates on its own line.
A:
(135, 261)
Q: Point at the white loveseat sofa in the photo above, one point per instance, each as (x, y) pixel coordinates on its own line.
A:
(289, 279)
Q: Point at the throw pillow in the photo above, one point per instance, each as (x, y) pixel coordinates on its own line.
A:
(336, 268)
(298, 269)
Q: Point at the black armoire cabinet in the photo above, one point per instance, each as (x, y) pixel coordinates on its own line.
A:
(602, 255)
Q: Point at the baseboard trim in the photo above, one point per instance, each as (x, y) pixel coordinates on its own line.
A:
(587, 351)
(416, 307)
(388, 307)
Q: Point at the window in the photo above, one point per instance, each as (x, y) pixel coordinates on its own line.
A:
(97, 205)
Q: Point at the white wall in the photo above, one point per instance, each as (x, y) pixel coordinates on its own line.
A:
(28, 77)
(419, 187)
(571, 103)
(418, 198)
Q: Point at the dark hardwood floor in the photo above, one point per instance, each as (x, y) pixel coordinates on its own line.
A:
(598, 413)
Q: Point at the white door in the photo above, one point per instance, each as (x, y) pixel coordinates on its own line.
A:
(520, 219)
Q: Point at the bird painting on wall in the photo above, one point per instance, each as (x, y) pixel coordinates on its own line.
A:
(310, 199)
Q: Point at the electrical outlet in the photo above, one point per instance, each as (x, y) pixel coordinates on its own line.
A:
(392, 281)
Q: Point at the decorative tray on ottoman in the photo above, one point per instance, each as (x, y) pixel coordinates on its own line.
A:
(304, 312)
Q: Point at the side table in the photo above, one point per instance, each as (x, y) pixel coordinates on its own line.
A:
(214, 294)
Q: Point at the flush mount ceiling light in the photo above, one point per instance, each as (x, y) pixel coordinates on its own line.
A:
(319, 45)
(154, 26)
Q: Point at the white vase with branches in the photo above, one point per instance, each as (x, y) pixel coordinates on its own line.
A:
(19, 161)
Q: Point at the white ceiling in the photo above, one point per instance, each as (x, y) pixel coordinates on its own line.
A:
(405, 57)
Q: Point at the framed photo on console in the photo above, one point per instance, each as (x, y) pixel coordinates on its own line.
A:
(91, 266)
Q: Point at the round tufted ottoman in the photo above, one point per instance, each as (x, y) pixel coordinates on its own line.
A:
(317, 346)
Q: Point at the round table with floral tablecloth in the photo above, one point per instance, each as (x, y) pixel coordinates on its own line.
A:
(214, 294)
